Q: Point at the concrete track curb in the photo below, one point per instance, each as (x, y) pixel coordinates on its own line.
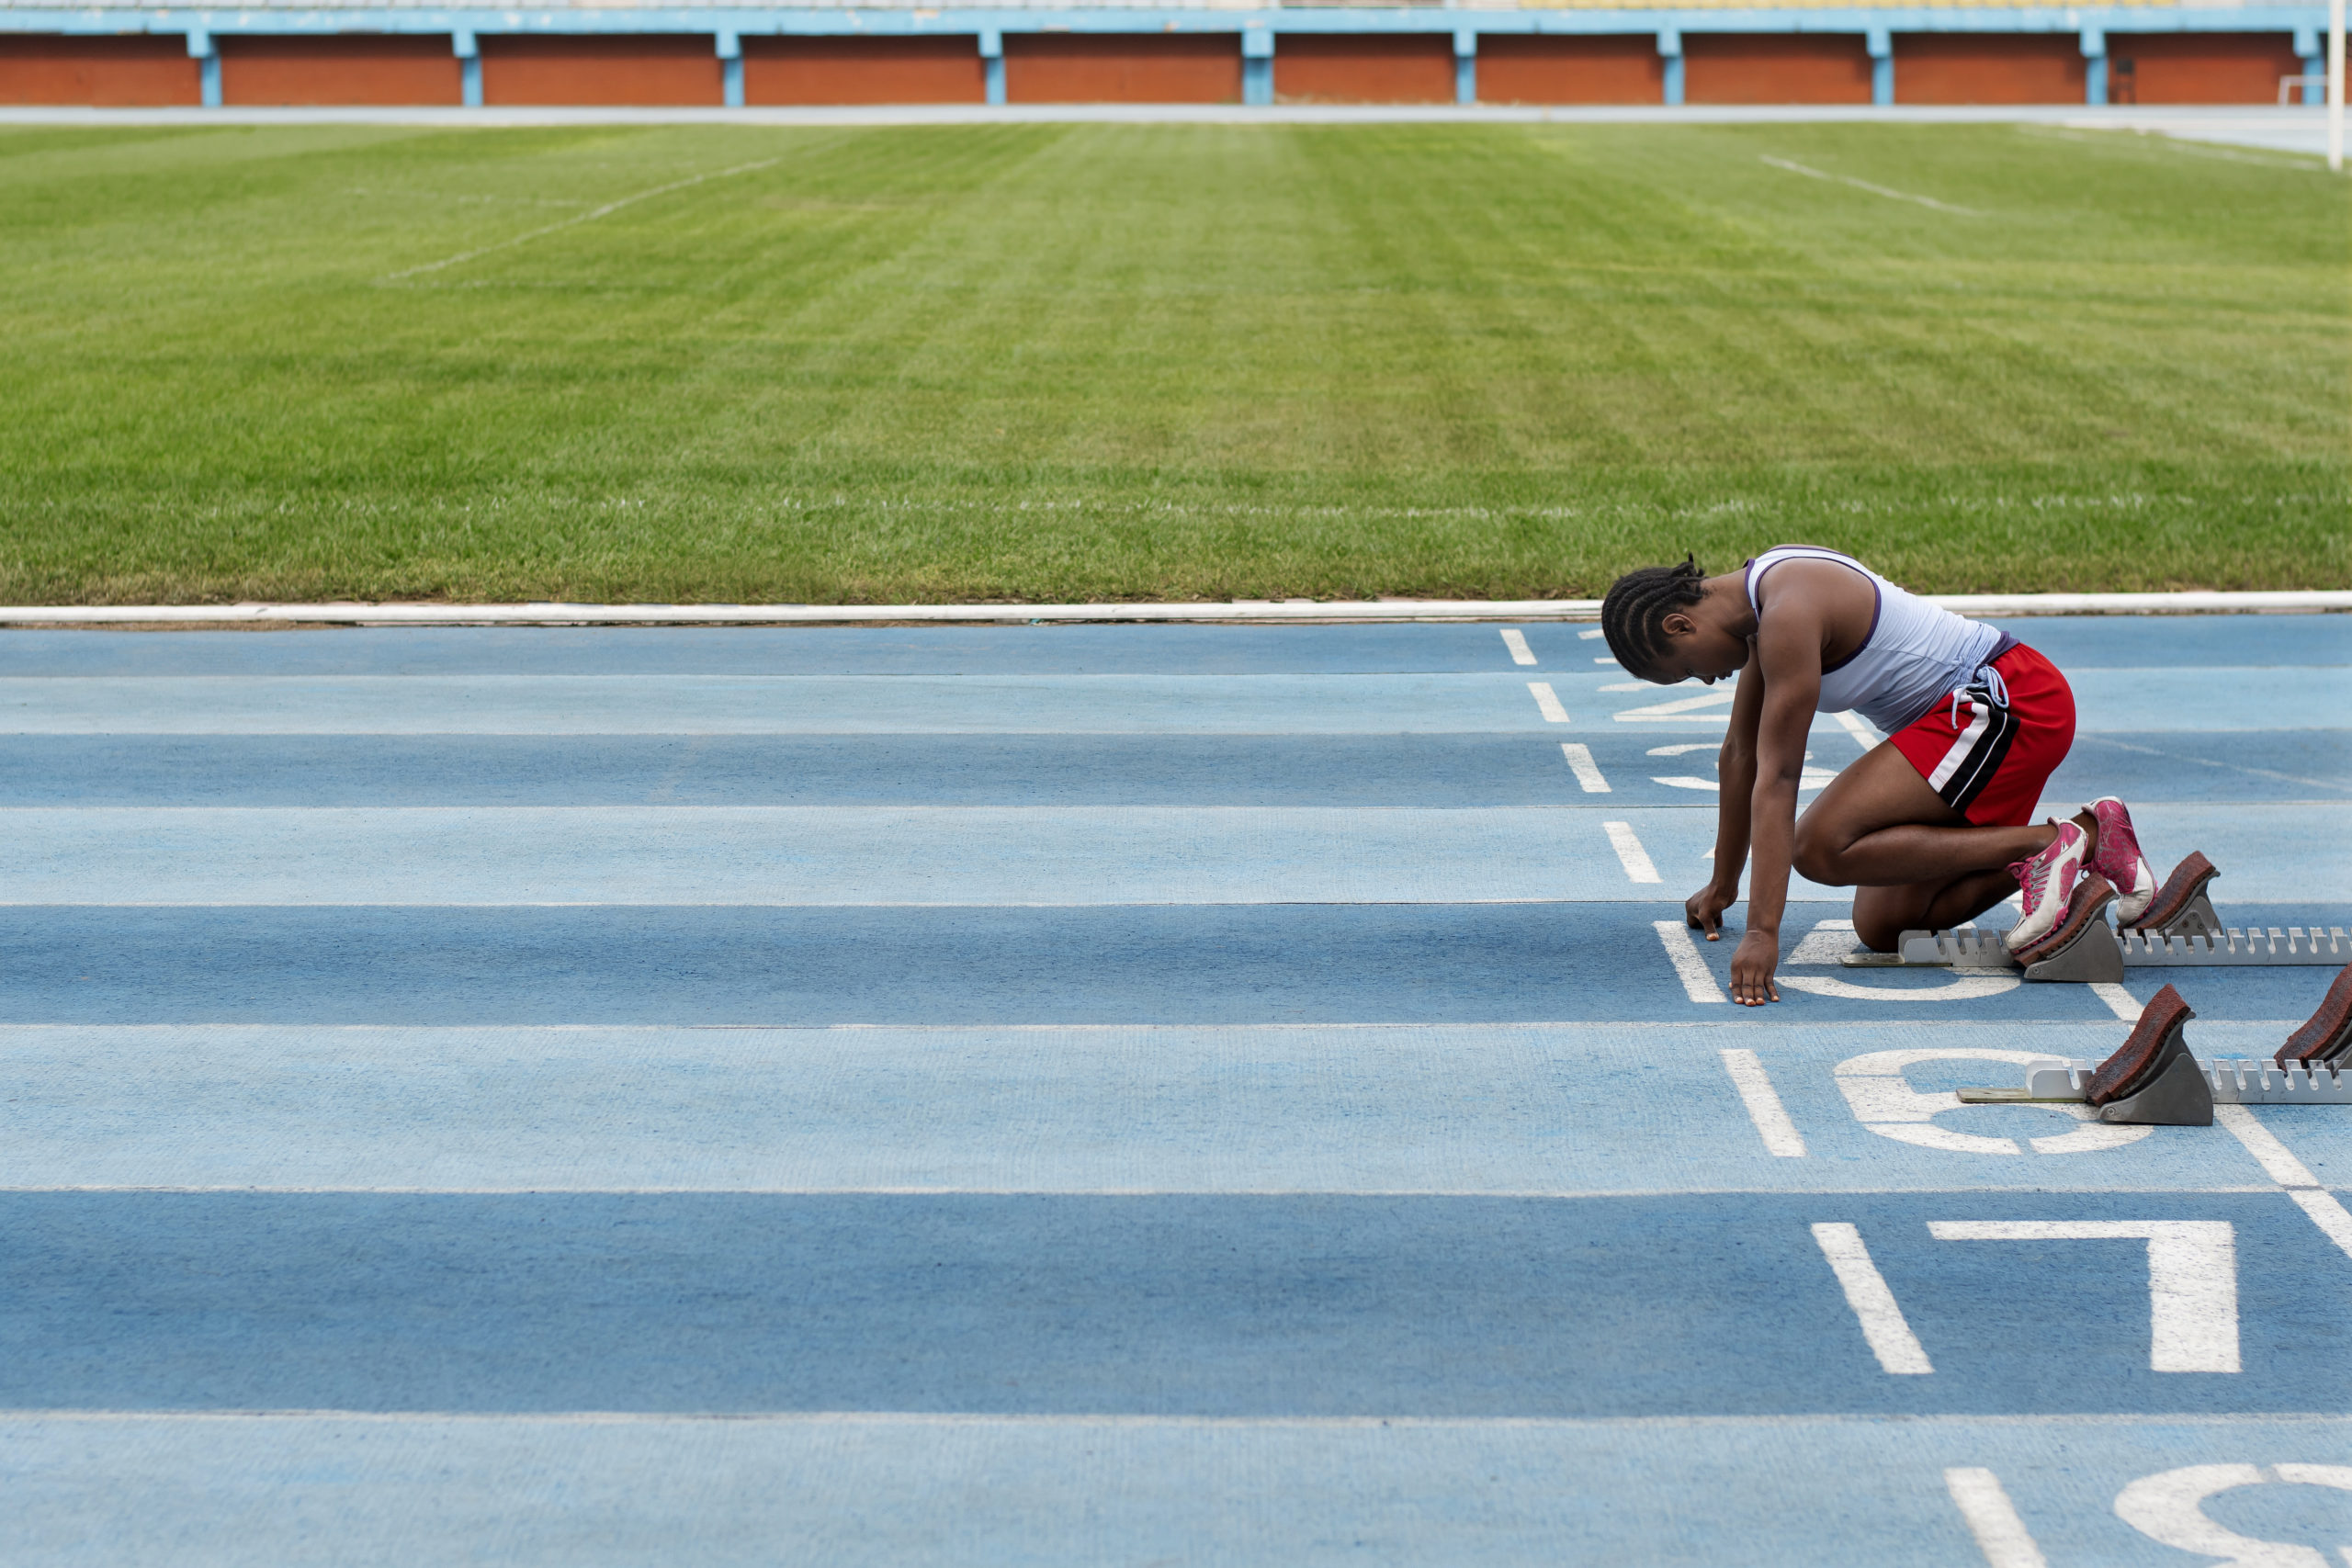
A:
(1284, 611)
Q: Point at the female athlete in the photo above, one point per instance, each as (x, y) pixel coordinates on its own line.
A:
(1930, 828)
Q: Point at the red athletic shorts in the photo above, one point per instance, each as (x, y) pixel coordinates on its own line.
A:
(1989, 759)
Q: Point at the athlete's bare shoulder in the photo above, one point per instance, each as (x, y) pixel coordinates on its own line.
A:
(1820, 600)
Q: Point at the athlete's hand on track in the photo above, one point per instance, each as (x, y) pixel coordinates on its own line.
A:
(1704, 910)
(1751, 969)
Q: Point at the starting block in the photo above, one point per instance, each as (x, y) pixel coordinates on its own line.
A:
(2152, 1079)
(2328, 1036)
(2180, 929)
(2232, 1080)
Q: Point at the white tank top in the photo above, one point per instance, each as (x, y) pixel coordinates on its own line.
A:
(1912, 657)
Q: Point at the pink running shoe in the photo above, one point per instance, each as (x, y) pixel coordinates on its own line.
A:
(2047, 880)
(2117, 858)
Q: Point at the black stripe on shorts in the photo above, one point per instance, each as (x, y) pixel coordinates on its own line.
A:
(1985, 759)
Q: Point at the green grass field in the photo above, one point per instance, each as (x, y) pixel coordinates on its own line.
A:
(1102, 362)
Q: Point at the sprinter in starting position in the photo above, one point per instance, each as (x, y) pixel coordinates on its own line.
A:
(1930, 828)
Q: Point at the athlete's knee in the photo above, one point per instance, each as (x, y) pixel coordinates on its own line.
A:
(1820, 854)
(1877, 932)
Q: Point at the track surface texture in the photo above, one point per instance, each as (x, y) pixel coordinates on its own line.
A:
(1085, 1095)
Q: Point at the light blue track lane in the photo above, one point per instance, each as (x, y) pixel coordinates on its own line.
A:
(2119, 701)
(1428, 771)
(1506, 1109)
(1090, 1094)
(1001, 964)
(2177, 646)
(898, 1490)
(829, 855)
(1192, 1303)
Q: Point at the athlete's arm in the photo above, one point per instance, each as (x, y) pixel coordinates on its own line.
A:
(1788, 656)
(1735, 768)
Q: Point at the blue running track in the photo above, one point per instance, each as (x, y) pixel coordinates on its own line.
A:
(1087, 1095)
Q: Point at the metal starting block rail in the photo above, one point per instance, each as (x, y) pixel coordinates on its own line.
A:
(1968, 948)
(2234, 1080)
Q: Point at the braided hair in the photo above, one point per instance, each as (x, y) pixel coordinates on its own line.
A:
(1639, 601)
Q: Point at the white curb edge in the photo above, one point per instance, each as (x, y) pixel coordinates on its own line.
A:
(1289, 610)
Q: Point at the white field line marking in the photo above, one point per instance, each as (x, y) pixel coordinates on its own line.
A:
(2192, 1280)
(2119, 1002)
(1874, 190)
(2281, 1164)
(1992, 1519)
(1667, 713)
(1698, 980)
(1587, 636)
(1993, 1032)
(2326, 1211)
(1545, 699)
(588, 217)
(1764, 1108)
(2167, 1508)
(968, 1189)
(1864, 736)
(2277, 1160)
(1516, 640)
(1605, 659)
(1588, 772)
(1959, 988)
(1891, 1340)
(1629, 853)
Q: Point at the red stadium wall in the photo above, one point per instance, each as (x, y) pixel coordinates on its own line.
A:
(350, 69)
(2198, 68)
(142, 70)
(1122, 68)
(1776, 68)
(1528, 69)
(654, 68)
(138, 72)
(1334, 68)
(1988, 68)
(944, 69)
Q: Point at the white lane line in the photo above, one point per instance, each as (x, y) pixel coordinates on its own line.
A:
(1629, 853)
(1588, 772)
(1698, 980)
(589, 217)
(1891, 1340)
(2325, 1212)
(1668, 713)
(541, 1185)
(1992, 1519)
(2277, 1160)
(1516, 640)
(1864, 736)
(2192, 1280)
(1864, 185)
(1605, 659)
(2119, 1002)
(1545, 699)
(1587, 636)
(1764, 1108)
